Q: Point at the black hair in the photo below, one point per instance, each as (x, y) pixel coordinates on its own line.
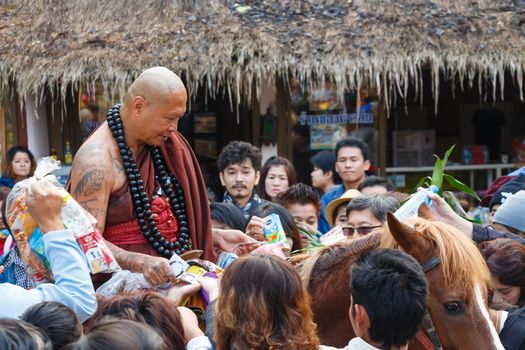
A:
(377, 204)
(287, 220)
(229, 214)
(118, 334)
(392, 288)
(325, 160)
(20, 335)
(237, 152)
(3, 213)
(271, 162)
(302, 194)
(352, 142)
(56, 320)
(373, 180)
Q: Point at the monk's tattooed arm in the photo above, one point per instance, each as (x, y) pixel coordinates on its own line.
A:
(130, 261)
(92, 180)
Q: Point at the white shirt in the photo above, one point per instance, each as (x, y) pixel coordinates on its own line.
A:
(354, 344)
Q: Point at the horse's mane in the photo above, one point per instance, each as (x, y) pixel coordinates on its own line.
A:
(327, 259)
(462, 265)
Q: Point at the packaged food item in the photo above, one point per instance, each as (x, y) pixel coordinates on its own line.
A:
(274, 232)
(270, 249)
(225, 259)
(333, 236)
(28, 236)
(123, 281)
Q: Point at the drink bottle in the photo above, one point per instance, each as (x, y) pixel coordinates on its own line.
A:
(411, 207)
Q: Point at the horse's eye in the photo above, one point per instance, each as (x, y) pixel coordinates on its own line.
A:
(455, 307)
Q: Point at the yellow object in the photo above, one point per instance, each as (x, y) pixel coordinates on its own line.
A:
(54, 154)
(68, 156)
(345, 198)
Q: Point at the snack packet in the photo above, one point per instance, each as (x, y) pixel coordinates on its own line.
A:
(28, 236)
(274, 232)
(333, 236)
(270, 249)
(225, 259)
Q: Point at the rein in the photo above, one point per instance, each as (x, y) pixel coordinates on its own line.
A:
(430, 263)
(427, 324)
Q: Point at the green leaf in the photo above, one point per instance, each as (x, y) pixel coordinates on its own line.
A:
(447, 154)
(437, 174)
(423, 181)
(461, 186)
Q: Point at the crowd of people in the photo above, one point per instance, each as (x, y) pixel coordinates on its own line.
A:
(138, 178)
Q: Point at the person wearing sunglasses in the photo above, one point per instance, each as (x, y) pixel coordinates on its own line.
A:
(367, 214)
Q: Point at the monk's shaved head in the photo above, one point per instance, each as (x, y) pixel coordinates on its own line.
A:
(155, 85)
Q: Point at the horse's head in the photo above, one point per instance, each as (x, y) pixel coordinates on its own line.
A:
(458, 281)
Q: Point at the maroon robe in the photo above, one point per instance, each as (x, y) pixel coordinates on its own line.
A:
(121, 227)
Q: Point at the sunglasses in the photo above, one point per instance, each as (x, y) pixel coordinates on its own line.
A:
(363, 230)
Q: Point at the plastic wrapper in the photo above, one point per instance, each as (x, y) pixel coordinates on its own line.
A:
(274, 232)
(225, 259)
(28, 236)
(270, 249)
(333, 236)
(123, 281)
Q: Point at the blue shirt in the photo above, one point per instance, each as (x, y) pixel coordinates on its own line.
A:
(72, 287)
(333, 193)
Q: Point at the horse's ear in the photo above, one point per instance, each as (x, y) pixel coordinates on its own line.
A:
(425, 213)
(404, 235)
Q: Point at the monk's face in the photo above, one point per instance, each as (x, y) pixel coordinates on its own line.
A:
(161, 116)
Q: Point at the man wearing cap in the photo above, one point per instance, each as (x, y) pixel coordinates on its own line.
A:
(506, 191)
(509, 217)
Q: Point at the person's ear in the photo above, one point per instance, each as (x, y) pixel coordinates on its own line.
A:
(137, 105)
(367, 164)
(329, 175)
(257, 177)
(221, 177)
(361, 317)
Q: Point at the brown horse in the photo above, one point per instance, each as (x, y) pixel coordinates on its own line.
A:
(457, 287)
(458, 280)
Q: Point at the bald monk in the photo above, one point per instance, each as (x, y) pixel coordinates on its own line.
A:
(139, 178)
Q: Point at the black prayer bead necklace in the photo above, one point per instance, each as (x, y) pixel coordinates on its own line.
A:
(169, 185)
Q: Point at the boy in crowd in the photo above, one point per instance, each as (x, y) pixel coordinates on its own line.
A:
(377, 185)
(336, 210)
(324, 176)
(388, 300)
(351, 164)
(302, 202)
(239, 171)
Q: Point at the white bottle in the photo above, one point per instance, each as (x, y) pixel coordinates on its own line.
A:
(411, 207)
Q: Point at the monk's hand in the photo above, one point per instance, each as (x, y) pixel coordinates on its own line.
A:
(157, 270)
(233, 241)
(2, 269)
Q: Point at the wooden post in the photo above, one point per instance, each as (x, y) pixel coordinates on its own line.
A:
(284, 128)
(382, 140)
(256, 117)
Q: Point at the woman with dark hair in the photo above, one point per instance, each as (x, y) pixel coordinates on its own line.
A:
(21, 164)
(277, 175)
(261, 305)
(505, 258)
(116, 334)
(20, 335)
(145, 307)
(227, 216)
(55, 320)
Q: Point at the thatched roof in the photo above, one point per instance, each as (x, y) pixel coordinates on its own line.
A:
(232, 44)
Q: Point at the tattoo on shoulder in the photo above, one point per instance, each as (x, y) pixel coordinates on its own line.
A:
(118, 166)
(90, 183)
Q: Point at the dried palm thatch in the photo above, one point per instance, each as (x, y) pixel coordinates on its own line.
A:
(227, 46)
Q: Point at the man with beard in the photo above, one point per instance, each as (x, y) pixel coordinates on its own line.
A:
(239, 171)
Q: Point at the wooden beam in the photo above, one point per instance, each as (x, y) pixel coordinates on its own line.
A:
(284, 127)
(382, 137)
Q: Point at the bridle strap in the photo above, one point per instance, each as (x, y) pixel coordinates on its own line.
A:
(430, 263)
(427, 323)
